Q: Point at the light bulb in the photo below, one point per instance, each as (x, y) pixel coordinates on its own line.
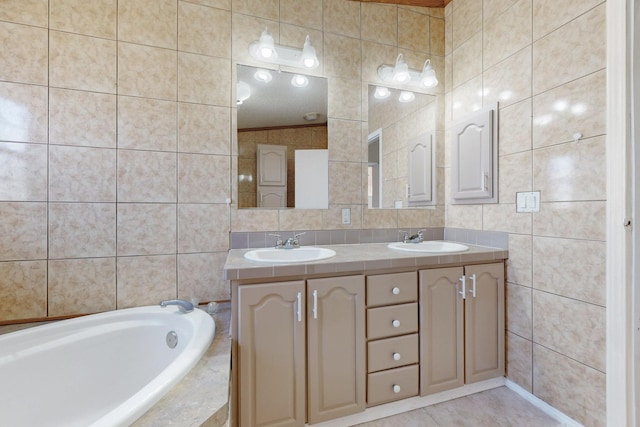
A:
(267, 48)
(401, 71)
(309, 58)
(263, 76)
(406, 96)
(428, 77)
(381, 92)
(299, 80)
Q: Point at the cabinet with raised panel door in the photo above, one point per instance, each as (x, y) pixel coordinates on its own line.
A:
(461, 326)
(300, 351)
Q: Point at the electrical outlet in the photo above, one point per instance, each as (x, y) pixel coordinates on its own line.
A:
(346, 216)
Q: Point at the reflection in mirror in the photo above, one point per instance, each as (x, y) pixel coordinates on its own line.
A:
(282, 124)
(401, 163)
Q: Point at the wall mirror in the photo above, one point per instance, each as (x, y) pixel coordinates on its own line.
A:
(282, 139)
(401, 148)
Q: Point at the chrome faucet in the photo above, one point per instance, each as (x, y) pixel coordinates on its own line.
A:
(183, 306)
(290, 243)
(415, 238)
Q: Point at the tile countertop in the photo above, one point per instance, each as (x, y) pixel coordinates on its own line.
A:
(201, 398)
(355, 259)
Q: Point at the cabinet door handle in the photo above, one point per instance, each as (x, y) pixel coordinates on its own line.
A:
(396, 388)
(396, 323)
(299, 312)
(485, 177)
(463, 292)
(473, 285)
(315, 304)
(395, 291)
(396, 356)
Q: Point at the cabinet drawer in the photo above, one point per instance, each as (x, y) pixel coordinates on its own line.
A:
(392, 352)
(393, 320)
(394, 384)
(396, 288)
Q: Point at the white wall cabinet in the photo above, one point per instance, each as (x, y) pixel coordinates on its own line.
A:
(421, 191)
(272, 176)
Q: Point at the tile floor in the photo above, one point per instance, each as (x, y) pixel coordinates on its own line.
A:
(492, 408)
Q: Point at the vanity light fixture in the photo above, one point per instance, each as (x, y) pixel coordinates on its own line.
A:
(263, 76)
(266, 50)
(381, 92)
(406, 96)
(299, 80)
(243, 92)
(401, 74)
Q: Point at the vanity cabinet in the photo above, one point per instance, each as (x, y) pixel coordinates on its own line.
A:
(392, 334)
(461, 326)
(301, 351)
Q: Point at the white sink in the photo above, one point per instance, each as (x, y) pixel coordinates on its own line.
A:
(303, 254)
(431, 246)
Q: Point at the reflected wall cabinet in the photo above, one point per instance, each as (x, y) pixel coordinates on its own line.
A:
(474, 158)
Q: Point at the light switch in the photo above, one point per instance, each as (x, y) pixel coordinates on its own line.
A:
(346, 216)
(528, 201)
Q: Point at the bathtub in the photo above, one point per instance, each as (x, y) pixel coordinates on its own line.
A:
(100, 370)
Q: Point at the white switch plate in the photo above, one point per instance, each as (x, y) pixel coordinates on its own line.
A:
(528, 201)
(346, 216)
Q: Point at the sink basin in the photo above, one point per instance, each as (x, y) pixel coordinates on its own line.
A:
(431, 246)
(303, 254)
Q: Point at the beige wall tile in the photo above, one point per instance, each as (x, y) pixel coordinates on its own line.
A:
(146, 176)
(82, 62)
(31, 12)
(331, 218)
(305, 13)
(493, 8)
(149, 22)
(571, 268)
(254, 219)
(380, 218)
(203, 228)
(220, 4)
(82, 230)
(301, 219)
(24, 231)
(78, 286)
(269, 9)
(466, 21)
(578, 220)
(374, 55)
(507, 33)
(379, 23)
(203, 178)
(24, 111)
(574, 50)
(342, 56)
(436, 36)
(200, 275)
(203, 80)
(547, 17)
(204, 129)
(413, 30)
(569, 386)
(560, 170)
(146, 229)
(146, 280)
(345, 137)
(503, 217)
(408, 218)
(464, 216)
(466, 98)
(466, 63)
(509, 81)
(344, 99)
(204, 30)
(519, 310)
(23, 290)
(82, 118)
(147, 71)
(514, 175)
(575, 107)
(519, 361)
(345, 183)
(23, 172)
(342, 17)
(515, 128)
(94, 18)
(21, 65)
(246, 29)
(82, 174)
(519, 265)
(147, 124)
(582, 338)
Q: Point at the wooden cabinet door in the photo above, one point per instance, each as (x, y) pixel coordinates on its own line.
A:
(484, 322)
(336, 347)
(441, 330)
(271, 347)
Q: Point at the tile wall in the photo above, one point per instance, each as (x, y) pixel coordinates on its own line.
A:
(544, 62)
(118, 149)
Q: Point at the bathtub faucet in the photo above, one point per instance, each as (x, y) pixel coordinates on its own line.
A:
(183, 306)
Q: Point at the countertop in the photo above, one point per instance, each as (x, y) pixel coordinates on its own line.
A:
(201, 398)
(355, 259)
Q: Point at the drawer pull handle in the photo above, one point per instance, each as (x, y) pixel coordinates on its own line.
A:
(396, 388)
(396, 356)
(396, 323)
(395, 290)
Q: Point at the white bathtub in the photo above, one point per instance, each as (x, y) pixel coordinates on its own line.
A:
(101, 370)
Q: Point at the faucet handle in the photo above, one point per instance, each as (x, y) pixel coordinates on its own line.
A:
(279, 242)
(405, 236)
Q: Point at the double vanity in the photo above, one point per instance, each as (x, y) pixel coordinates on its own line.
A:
(322, 333)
